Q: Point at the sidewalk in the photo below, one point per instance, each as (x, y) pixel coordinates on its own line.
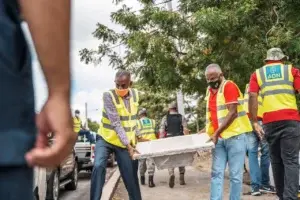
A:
(197, 188)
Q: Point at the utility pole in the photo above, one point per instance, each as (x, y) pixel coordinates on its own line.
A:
(86, 115)
(170, 5)
(180, 99)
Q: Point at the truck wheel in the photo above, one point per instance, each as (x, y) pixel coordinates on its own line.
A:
(36, 193)
(79, 167)
(53, 186)
(74, 179)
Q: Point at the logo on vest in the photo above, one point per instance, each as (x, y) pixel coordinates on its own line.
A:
(273, 72)
(146, 122)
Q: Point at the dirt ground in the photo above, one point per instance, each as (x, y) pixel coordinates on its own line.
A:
(197, 188)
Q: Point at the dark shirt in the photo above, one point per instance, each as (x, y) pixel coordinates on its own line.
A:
(17, 116)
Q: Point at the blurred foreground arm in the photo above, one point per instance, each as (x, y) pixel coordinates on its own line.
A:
(49, 24)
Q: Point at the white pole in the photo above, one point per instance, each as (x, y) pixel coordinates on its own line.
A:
(180, 100)
(180, 103)
(86, 115)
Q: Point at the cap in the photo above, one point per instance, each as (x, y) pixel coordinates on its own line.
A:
(275, 54)
(143, 111)
(173, 105)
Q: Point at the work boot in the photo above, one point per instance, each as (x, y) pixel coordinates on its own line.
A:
(151, 183)
(181, 179)
(143, 180)
(172, 181)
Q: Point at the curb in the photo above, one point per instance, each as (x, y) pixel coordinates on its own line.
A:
(111, 185)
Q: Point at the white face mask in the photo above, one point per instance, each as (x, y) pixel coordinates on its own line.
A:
(76, 115)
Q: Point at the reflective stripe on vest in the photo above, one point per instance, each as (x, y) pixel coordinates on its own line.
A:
(76, 124)
(128, 119)
(276, 87)
(240, 125)
(122, 118)
(147, 131)
(246, 102)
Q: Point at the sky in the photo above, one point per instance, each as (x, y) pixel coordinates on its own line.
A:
(89, 81)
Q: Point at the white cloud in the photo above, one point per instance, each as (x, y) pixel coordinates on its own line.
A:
(89, 81)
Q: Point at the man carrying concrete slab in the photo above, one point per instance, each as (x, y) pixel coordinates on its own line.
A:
(117, 134)
(174, 124)
(226, 123)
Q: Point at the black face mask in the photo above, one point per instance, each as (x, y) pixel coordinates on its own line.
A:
(215, 84)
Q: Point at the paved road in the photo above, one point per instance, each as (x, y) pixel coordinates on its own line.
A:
(197, 188)
(83, 189)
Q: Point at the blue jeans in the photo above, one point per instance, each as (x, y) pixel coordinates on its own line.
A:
(264, 163)
(259, 175)
(128, 169)
(88, 135)
(252, 149)
(231, 151)
(16, 183)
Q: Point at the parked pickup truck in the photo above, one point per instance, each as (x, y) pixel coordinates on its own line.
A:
(85, 153)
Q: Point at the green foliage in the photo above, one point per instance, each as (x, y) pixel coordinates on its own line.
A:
(167, 50)
(93, 125)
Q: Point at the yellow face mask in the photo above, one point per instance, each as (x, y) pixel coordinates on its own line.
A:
(122, 92)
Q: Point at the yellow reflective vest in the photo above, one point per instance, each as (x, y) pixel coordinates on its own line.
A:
(240, 125)
(76, 124)
(147, 128)
(276, 84)
(246, 103)
(128, 119)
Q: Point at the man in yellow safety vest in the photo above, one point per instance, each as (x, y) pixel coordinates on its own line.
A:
(226, 123)
(277, 83)
(117, 133)
(78, 128)
(259, 175)
(146, 133)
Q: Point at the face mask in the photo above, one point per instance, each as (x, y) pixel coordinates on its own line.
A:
(76, 115)
(215, 84)
(122, 92)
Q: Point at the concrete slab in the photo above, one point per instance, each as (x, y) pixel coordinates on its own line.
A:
(174, 151)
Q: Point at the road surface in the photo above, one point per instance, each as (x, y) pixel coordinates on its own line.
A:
(83, 189)
(197, 186)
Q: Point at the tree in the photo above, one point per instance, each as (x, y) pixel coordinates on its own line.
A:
(93, 125)
(168, 50)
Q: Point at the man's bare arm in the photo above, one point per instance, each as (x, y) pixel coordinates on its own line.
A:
(49, 24)
(230, 117)
(202, 130)
(253, 106)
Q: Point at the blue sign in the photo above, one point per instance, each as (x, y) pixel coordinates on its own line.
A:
(273, 72)
(146, 122)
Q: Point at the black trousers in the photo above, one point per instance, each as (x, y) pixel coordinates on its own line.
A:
(284, 143)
